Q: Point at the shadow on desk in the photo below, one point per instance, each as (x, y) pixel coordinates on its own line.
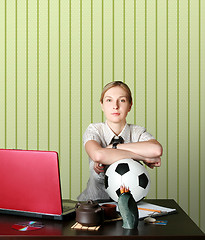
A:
(179, 226)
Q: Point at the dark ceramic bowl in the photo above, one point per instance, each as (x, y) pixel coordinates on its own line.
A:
(109, 211)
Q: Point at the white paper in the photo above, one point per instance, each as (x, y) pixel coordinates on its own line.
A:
(144, 213)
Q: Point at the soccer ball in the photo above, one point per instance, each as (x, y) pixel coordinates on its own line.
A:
(129, 173)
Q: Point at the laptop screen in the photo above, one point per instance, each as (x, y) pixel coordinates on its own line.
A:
(29, 181)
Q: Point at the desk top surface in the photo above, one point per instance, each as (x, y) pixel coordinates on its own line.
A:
(179, 224)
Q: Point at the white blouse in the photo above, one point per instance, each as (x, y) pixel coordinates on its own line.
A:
(102, 133)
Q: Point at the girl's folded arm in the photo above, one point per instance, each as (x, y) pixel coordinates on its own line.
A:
(149, 152)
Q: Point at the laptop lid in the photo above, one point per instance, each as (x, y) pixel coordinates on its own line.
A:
(30, 183)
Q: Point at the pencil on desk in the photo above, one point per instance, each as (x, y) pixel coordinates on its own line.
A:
(150, 210)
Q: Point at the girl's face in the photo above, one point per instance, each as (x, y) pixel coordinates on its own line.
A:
(116, 105)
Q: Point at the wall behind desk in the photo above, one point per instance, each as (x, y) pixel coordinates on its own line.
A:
(56, 56)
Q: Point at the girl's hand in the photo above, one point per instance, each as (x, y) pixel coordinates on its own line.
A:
(98, 167)
(154, 162)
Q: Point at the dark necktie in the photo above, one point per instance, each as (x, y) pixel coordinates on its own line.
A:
(117, 140)
(114, 143)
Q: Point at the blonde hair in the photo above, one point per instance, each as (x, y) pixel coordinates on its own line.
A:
(115, 84)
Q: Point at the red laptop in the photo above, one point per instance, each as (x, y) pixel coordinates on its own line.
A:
(30, 184)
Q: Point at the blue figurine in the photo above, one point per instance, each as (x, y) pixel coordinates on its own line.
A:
(128, 209)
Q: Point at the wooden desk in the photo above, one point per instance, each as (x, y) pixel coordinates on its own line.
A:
(179, 226)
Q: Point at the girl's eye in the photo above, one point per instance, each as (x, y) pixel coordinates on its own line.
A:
(108, 100)
(123, 100)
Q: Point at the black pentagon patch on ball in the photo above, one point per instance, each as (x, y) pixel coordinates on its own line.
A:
(143, 180)
(118, 192)
(106, 182)
(122, 168)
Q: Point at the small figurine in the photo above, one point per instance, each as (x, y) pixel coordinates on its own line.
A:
(128, 209)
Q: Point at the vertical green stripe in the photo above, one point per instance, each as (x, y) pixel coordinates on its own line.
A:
(135, 63)
(81, 100)
(167, 95)
(113, 40)
(48, 74)
(102, 44)
(59, 69)
(16, 76)
(177, 101)
(102, 49)
(199, 113)
(145, 63)
(124, 40)
(70, 190)
(37, 74)
(27, 74)
(189, 107)
(156, 76)
(5, 133)
(91, 61)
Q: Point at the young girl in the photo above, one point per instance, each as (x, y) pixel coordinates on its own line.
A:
(134, 142)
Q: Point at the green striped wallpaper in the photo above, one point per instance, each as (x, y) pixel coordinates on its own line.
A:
(56, 55)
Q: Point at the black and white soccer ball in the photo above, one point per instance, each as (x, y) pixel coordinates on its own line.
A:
(129, 173)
